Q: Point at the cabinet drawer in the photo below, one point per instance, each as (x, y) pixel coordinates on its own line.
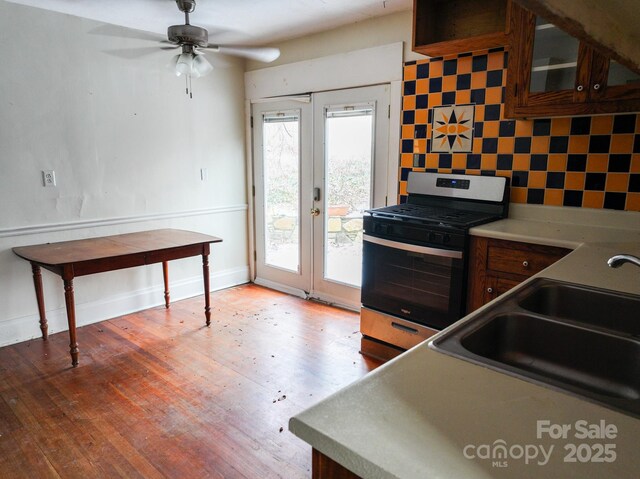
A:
(525, 262)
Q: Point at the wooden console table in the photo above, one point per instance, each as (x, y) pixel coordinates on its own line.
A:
(96, 255)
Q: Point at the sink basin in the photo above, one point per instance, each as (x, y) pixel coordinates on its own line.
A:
(572, 338)
(604, 309)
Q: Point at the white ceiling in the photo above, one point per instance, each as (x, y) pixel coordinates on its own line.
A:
(239, 22)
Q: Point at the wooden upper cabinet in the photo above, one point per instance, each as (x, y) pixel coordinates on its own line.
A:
(551, 73)
(445, 27)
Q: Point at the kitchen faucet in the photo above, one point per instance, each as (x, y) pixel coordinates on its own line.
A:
(619, 259)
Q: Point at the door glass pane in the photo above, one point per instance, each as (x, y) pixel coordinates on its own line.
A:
(348, 156)
(621, 75)
(555, 55)
(281, 157)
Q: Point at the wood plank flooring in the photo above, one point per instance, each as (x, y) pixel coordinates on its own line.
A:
(159, 395)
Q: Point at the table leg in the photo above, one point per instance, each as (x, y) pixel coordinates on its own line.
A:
(165, 275)
(71, 318)
(37, 282)
(207, 300)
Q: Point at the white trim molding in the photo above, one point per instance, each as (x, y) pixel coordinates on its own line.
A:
(74, 225)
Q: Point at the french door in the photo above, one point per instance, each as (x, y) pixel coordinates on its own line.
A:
(318, 164)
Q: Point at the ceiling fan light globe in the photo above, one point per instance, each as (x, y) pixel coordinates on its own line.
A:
(201, 66)
(184, 64)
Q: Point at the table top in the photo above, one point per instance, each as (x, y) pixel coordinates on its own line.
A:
(67, 252)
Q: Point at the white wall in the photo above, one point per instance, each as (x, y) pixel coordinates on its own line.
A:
(127, 146)
(374, 32)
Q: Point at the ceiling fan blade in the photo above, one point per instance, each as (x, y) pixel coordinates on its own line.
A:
(132, 53)
(261, 54)
(122, 32)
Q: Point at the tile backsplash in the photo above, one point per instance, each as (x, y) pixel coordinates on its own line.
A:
(591, 162)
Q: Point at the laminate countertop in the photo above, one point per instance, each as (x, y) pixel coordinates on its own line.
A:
(429, 415)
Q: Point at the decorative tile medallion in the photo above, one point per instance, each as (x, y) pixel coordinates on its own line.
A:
(452, 129)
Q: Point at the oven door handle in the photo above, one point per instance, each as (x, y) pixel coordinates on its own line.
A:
(446, 253)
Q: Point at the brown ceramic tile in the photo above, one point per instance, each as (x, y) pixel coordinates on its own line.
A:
(493, 95)
(618, 182)
(491, 129)
(553, 197)
(524, 128)
(621, 143)
(495, 61)
(633, 202)
(601, 125)
(449, 83)
(463, 97)
(557, 162)
(505, 145)
(478, 80)
(488, 162)
(635, 164)
(521, 162)
(560, 126)
(540, 145)
(518, 195)
(597, 163)
(578, 144)
(593, 199)
(537, 179)
(464, 65)
(435, 69)
(574, 180)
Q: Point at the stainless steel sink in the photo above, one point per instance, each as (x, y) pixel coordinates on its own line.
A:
(604, 309)
(577, 339)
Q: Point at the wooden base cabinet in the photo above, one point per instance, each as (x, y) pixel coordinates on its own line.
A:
(323, 467)
(496, 266)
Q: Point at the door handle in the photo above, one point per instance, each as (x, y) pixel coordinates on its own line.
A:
(316, 194)
(315, 211)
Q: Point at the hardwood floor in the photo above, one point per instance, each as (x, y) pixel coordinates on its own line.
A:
(157, 394)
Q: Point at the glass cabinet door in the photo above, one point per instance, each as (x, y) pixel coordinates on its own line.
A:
(555, 59)
(620, 75)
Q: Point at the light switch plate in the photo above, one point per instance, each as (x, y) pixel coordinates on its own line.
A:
(48, 178)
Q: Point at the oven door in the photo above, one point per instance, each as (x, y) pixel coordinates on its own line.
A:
(420, 283)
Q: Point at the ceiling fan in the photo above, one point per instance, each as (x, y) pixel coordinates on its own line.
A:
(193, 40)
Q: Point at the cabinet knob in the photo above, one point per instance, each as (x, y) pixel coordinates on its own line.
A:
(489, 290)
(525, 264)
(596, 86)
(579, 88)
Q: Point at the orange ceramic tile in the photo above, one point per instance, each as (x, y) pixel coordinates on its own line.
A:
(488, 162)
(449, 83)
(478, 80)
(495, 61)
(479, 113)
(597, 162)
(493, 95)
(431, 161)
(422, 86)
(409, 103)
(406, 160)
(574, 180)
(464, 65)
(540, 144)
(633, 202)
(537, 179)
(593, 199)
(505, 145)
(560, 126)
(553, 197)
(463, 97)
(557, 162)
(410, 72)
(459, 161)
(601, 125)
(621, 143)
(420, 145)
(477, 145)
(521, 162)
(421, 117)
(446, 171)
(578, 144)
(407, 132)
(435, 69)
(518, 195)
(435, 99)
(635, 164)
(618, 182)
(524, 127)
(403, 188)
(491, 129)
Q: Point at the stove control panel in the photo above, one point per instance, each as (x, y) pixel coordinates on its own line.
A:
(417, 234)
(453, 183)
